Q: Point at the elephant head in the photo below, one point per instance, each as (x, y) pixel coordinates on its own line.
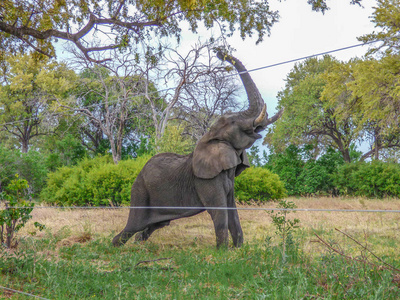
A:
(223, 146)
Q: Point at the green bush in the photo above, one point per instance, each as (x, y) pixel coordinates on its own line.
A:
(94, 182)
(304, 175)
(28, 166)
(372, 179)
(258, 184)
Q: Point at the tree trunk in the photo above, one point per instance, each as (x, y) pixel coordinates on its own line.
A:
(346, 155)
(24, 146)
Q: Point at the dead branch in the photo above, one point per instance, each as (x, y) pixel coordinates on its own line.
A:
(152, 260)
(367, 249)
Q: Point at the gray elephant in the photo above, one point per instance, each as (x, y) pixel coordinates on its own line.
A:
(204, 178)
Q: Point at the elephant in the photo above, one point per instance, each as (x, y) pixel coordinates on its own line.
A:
(203, 179)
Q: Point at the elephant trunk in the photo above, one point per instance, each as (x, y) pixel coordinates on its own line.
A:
(257, 107)
(256, 102)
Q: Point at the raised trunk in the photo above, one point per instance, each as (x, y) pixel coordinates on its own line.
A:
(256, 102)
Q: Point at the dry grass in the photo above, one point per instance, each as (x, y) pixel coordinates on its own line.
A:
(80, 225)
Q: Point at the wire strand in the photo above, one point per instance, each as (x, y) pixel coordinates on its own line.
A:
(208, 208)
(229, 75)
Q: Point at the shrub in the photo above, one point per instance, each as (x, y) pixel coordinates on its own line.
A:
(371, 179)
(303, 174)
(28, 166)
(8, 166)
(95, 182)
(13, 219)
(258, 184)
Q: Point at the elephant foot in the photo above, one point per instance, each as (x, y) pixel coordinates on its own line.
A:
(121, 239)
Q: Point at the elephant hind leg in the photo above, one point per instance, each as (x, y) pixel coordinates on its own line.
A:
(145, 234)
(122, 238)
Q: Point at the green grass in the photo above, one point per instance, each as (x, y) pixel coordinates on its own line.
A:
(94, 269)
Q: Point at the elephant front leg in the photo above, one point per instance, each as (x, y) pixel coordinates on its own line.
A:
(233, 222)
(220, 220)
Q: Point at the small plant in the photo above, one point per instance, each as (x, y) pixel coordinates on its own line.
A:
(13, 219)
(284, 225)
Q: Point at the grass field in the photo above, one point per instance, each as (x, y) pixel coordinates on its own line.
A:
(73, 257)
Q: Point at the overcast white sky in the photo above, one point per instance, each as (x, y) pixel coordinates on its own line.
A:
(302, 32)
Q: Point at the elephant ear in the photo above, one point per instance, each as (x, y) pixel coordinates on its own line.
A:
(210, 159)
(243, 165)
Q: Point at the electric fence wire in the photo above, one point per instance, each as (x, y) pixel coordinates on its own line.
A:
(227, 76)
(23, 293)
(208, 208)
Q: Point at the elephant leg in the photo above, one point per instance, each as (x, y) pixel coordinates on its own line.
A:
(137, 219)
(220, 220)
(145, 234)
(213, 193)
(234, 223)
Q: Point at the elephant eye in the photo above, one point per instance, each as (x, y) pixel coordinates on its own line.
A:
(249, 131)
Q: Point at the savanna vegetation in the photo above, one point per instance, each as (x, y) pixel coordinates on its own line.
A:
(78, 132)
(73, 257)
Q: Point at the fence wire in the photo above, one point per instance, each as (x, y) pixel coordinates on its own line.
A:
(208, 208)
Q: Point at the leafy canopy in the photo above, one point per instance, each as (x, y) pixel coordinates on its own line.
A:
(112, 24)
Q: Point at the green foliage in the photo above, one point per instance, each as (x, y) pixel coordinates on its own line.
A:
(32, 167)
(386, 18)
(254, 157)
(152, 20)
(13, 219)
(94, 182)
(29, 166)
(28, 96)
(371, 179)
(174, 141)
(97, 270)
(8, 166)
(66, 152)
(284, 226)
(302, 174)
(310, 118)
(258, 184)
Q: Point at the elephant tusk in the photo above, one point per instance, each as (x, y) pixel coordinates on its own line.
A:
(261, 117)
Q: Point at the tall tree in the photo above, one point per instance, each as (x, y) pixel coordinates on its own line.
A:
(28, 96)
(309, 118)
(212, 95)
(108, 99)
(368, 91)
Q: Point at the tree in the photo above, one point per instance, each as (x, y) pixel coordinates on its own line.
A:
(212, 95)
(309, 118)
(103, 25)
(367, 90)
(193, 95)
(108, 98)
(28, 96)
(112, 24)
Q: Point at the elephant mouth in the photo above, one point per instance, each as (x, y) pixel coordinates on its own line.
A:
(257, 136)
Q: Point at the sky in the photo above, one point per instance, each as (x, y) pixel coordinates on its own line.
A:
(302, 32)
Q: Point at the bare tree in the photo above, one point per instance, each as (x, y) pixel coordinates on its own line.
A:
(214, 95)
(108, 97)
(197, 86)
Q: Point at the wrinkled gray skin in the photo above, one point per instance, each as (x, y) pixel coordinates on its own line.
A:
(204, 178)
